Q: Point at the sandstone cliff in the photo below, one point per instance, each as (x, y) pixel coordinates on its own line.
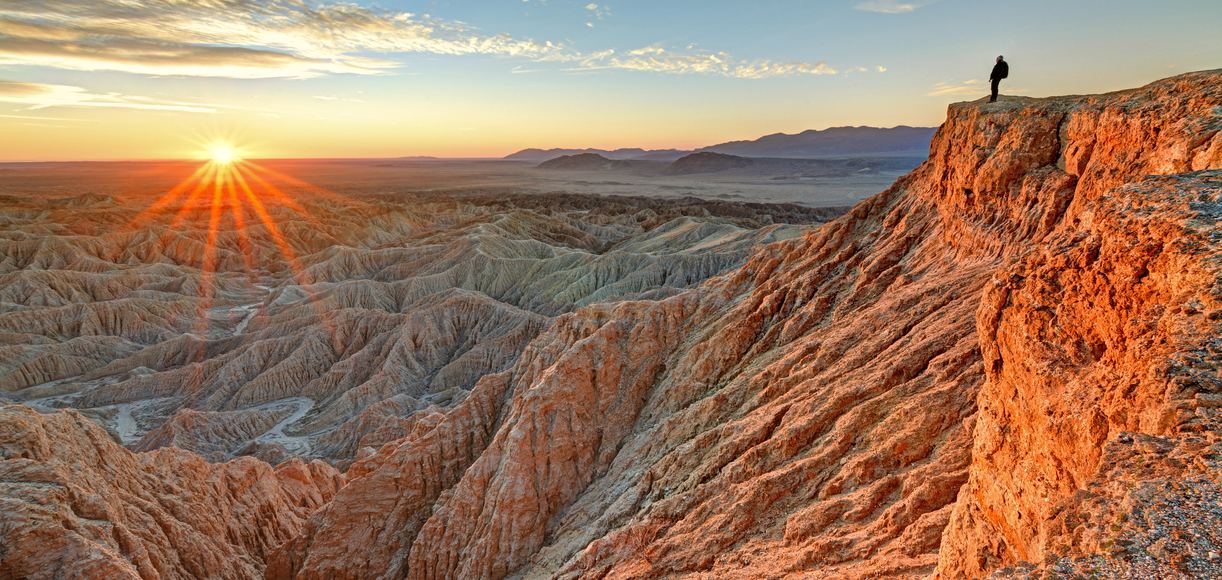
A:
(77, 505)
(952, 378)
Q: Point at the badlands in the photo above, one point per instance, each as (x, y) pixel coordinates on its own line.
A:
(321, 332)
(1004, 364)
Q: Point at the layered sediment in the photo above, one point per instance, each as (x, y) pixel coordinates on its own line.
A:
(833, 407)
(78, 505)
(358, 313)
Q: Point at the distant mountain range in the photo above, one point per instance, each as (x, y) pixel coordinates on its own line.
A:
(585, 162)
(902, 141)
(835, 142)
(702, 162)
(707, 162)
(635, 153)
(710, 162)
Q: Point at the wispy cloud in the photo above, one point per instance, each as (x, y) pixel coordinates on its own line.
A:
(970, 88)
(521, 70)
(41, 118)
(659, 59)
(889, 6)
(40, 96)
(597, 12)
(974, 87)
(233, 38)
(295, 39)
(335, 98)
(864, 69)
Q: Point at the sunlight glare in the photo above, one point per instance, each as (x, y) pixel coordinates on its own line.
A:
(226, 189)
(222, 153)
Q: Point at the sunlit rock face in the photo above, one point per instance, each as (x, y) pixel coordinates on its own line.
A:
(987, 363)
(77, 505)
(1004, 364)
(317, 328)
(1096, 447)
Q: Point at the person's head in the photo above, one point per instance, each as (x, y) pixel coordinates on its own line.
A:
(1000, 58)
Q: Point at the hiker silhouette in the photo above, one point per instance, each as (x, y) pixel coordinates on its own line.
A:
(1001, 70)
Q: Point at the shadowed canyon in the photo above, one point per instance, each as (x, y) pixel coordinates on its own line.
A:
(1005, 364)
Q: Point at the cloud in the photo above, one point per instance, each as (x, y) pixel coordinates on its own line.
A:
(338, 99)
(41, 118)
(659, 59)
(233, 38)
(861, 69)
(597, 12)
(521, 70)
(19, 89)
(889, 6)
(974, 87)
(294, 39)
(41, 96)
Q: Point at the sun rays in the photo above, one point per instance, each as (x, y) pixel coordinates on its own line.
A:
(241, 206)
(222, 153)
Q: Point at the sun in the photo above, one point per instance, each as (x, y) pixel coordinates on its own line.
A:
(222, 154)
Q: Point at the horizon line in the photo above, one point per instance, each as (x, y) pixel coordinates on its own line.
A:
(204, 160)
(469, 157)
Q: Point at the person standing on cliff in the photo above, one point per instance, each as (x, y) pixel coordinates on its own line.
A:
(1001, 70)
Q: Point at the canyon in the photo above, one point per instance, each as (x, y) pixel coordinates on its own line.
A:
(1004, 364)
(186, 330)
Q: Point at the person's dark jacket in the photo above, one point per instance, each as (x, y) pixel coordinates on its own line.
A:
(1001, 70)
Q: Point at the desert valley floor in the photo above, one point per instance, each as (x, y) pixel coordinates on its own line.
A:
(312, 323)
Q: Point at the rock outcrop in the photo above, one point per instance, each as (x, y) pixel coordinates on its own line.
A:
(78, 505)
(815, 412)
(1102, 343)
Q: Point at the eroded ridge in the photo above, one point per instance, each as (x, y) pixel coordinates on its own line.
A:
(318, 328)
(829, 409)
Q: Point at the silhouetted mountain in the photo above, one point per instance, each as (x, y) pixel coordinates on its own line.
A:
(627, 153)
(758, 167)
(901, 141)
(583, 162)
(706, 162)
(834, 142)
(661, 155)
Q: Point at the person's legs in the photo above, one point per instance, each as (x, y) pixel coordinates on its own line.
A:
(993, 97)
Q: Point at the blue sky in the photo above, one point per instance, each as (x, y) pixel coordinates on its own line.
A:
(90, 79)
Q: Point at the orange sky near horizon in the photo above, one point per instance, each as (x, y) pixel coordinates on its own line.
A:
(144, 79)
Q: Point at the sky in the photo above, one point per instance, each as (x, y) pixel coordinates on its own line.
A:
(163, 79)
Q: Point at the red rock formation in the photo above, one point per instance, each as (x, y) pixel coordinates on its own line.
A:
(1108, 328)
(814, 412)
(78, 505)
(400, 306)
